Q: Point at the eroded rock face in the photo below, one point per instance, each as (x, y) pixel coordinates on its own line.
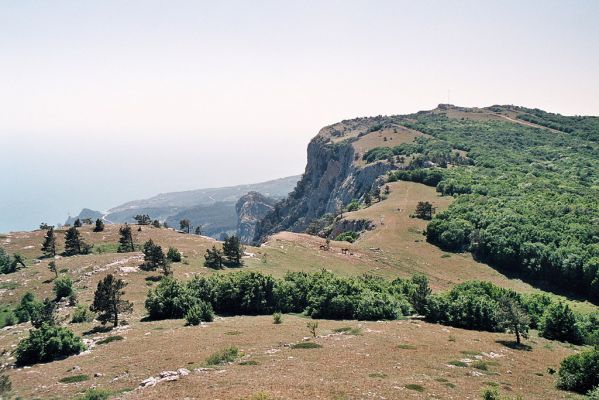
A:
(331, 180)
(251, 208)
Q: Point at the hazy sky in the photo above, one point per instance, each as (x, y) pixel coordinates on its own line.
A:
(107, 101)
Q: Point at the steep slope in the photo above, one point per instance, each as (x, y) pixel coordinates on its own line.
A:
(333, 176)
(525, 182)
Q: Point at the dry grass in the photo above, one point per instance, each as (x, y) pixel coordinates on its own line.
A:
(405, 352)
(343, 363)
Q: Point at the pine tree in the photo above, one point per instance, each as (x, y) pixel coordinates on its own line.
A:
(126, 244)
(377, 193)
(99, 225)
(421, 293)
(108, 301)
(184, 224)
(424, 210)
(73, 244)
(513, 318)
(49, 245)
(154, 258)
(213, 258)
(156, 223)
(142, 219)
(232, 251)
(367, 199)
(198, 230)
(77, 223)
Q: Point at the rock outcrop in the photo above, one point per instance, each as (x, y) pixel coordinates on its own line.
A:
(331, 180)
(251, 208)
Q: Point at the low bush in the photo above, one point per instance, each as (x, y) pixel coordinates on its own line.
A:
(224, 356)
(110, 339)
(199, 312)
(580, 372)
(173, 254)
(46, 344)
(95, 394)
(348, 236)
(63, 287)
(306, 345)
(82, 314)
(277, 318)
(74, 379)
(560, 323)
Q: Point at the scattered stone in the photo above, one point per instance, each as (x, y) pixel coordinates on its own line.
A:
(151, 381)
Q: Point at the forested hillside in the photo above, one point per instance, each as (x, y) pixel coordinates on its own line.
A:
(527, 197)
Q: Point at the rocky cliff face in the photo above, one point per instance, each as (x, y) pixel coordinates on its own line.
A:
(332, 178)
(251, 208)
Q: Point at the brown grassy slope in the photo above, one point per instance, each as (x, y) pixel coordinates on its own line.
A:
(379, 363)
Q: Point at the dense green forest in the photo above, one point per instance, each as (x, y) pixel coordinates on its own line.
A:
(527, 199)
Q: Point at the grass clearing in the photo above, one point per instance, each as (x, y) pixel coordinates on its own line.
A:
(224, 356)
(348, 330)
(74, 378)
(415, 387)
(457, 363)
(9, 285)
(406, 346)
(110, 339)
(249, 362)
(378, 375)
(306, 345)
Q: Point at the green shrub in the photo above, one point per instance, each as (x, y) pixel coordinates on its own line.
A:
(413, 386)
(470, 305)
(46, 344)
(199, 312)
(63, 286)
(5, 386)
(559, 323)
(349, 236)
(306, 345)
(173, 254)
(593, 394)
(277, 318)
(74, 378)
(354, 205)
(95, 394)
(82, 314)
(580, 372)
(491, 394)
(224, 356)
(170, 299)
(110, 339)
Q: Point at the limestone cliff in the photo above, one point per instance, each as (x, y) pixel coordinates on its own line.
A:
(333, 177)
(251, 208)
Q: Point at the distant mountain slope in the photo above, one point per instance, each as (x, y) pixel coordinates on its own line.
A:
(212, 209)
(277, 188)
(85, 213)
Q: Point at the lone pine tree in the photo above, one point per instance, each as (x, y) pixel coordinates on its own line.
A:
(126, 244)
(232, 251)
(213, 258)
(108, 302)
(99, 225)
(49, 244)
(73, 244)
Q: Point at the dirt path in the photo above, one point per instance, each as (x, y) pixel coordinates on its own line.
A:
(525, 123)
